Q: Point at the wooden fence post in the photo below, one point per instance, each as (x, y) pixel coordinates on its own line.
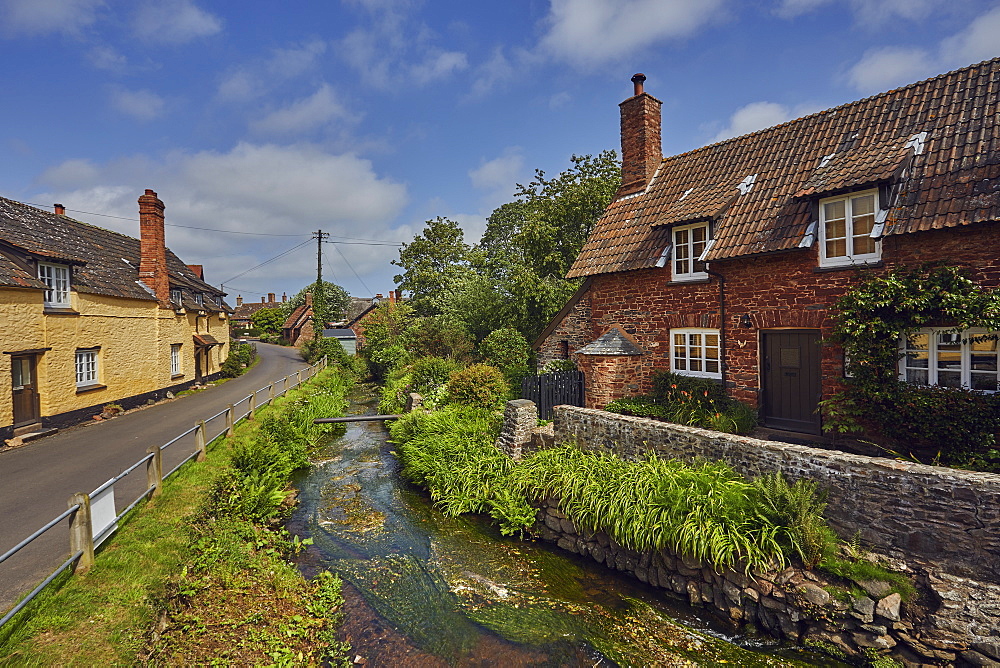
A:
(230, 421)
(200, 441)
(154, 471)
(253, 404)
(81, 532)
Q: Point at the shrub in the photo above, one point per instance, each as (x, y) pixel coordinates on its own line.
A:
(670, 387)
(724, 414)
(314, 350)
(427, 374)
(241, 356)
(508, 350)
(555, 366)
(478, 385)
(438, 336)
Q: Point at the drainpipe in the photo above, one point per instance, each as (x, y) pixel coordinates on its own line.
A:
(722, 323)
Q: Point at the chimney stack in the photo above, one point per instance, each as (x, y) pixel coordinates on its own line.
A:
(284, 297)
(263, 300)
(152, 249)
(239, 300)
(270, 297)
(642, 152)
(59, 209)
(392, 296)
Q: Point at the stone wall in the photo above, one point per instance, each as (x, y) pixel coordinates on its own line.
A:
(945, 516)
(806, 608)
(569, 335)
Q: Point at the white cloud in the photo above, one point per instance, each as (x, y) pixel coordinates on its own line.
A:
(106, 58)
(393, 49)
(759, 115)
(886, 67)
(259, 78)
(174, 21)
(41, 17)
(142, 105)
(266, 188)
(866, 12)
(305, 115)
(588, 33)
(499, 173)
(979, 41)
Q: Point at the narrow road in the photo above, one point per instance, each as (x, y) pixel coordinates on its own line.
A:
(37, 479)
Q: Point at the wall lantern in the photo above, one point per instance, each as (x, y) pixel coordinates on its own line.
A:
(745, 321)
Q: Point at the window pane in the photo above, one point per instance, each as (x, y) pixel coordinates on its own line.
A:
(984, 381)
(917, 376)
(712, 366)
(836, 229)
(917, 359)
(863, 205)
(695, 340)
(950, 378)
(836, 248)
(695, 365)
(833, 210)
(918, 341)
(680, 363)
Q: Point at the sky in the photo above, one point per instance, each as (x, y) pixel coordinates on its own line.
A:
(259, 123)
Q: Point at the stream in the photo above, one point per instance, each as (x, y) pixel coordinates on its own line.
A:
(422, 589)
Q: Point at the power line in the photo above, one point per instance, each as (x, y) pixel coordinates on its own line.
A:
(296, 247)
(337, 248)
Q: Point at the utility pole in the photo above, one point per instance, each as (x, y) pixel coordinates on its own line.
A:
(319, 310)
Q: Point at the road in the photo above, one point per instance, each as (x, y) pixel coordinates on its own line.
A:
(37, 479)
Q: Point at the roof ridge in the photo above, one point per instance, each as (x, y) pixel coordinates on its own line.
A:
(839, 107)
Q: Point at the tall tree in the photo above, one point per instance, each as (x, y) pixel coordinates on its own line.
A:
(335, 298)
(432, 263)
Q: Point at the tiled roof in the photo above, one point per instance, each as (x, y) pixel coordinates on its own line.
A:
(298, 317)
(245, 310)
(948, 177)
(104, 262)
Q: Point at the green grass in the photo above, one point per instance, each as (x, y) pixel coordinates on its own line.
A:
(213, 573)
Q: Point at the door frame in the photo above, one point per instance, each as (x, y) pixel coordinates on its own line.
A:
(813, 426)
(35, 408)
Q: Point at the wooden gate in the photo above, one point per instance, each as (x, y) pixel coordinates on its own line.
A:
(553, 389)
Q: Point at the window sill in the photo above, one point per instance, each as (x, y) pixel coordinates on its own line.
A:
(690, 281)
(842, 267)
(59, 310)
(82, 389)
(176, 376)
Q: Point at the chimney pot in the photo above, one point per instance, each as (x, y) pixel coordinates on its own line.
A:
(637, 80)
(378, 296)
(59, 209)
(239, 300)
(263, 300)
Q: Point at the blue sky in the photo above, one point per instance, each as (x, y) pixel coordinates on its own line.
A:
(364, 118)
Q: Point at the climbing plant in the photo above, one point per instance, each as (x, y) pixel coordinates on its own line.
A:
(958, 424)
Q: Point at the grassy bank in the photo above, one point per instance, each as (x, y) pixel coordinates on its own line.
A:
(200, 574)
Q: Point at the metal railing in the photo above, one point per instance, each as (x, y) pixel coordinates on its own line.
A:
(94, 517)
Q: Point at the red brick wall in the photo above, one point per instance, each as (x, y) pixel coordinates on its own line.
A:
(781, 290)
(571, 334)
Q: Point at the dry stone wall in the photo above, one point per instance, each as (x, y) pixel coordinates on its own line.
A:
(906, 510)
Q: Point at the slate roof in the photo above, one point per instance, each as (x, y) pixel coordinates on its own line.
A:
(948, 177)
(611, 343)
(104, 262)
(246, 310)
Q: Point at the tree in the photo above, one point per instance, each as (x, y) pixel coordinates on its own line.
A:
(269, 320)
(431, 264)
(335, 297)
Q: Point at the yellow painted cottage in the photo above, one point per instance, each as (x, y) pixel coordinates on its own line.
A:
(90, 317)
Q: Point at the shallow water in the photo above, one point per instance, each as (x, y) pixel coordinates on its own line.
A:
(422, 589)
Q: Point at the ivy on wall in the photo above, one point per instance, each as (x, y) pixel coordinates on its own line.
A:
(957, 425)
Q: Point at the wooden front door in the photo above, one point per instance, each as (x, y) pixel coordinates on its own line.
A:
(24, 383)
(792, 381)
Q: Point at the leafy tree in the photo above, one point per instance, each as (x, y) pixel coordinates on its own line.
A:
(385, 332)
(431, 263)
(269, 320)
(335, 298)
(438, 336)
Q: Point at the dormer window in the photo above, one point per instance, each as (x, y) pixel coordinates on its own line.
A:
(845, 230)
(56, 280)
(198, 299)
(690, 242)
(175, 297)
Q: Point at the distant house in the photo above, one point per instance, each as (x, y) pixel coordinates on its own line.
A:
(725, 262)
(241, 319)
(346, 337)
(92, 317)
(357, 325)
(298, 325)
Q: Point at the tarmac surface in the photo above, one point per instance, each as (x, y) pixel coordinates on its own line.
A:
(37, 479)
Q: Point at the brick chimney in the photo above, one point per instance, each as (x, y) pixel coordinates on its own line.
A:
(642, 152)
(392, 296)
(309, 299)
(284, 297)
(263, 300)
(239, 300)
(270, 297)
(152, 249)
(59, 209)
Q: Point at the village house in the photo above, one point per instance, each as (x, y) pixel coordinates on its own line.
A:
(92, 317)
(725, 262)
(241, 319)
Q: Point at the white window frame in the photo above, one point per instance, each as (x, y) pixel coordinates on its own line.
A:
(87, 367)
(851, 257)
(199, 299)
(176, 296)
(696, 349)
(175, 359)
(56, 278)
(690, 250)
(934, 362)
